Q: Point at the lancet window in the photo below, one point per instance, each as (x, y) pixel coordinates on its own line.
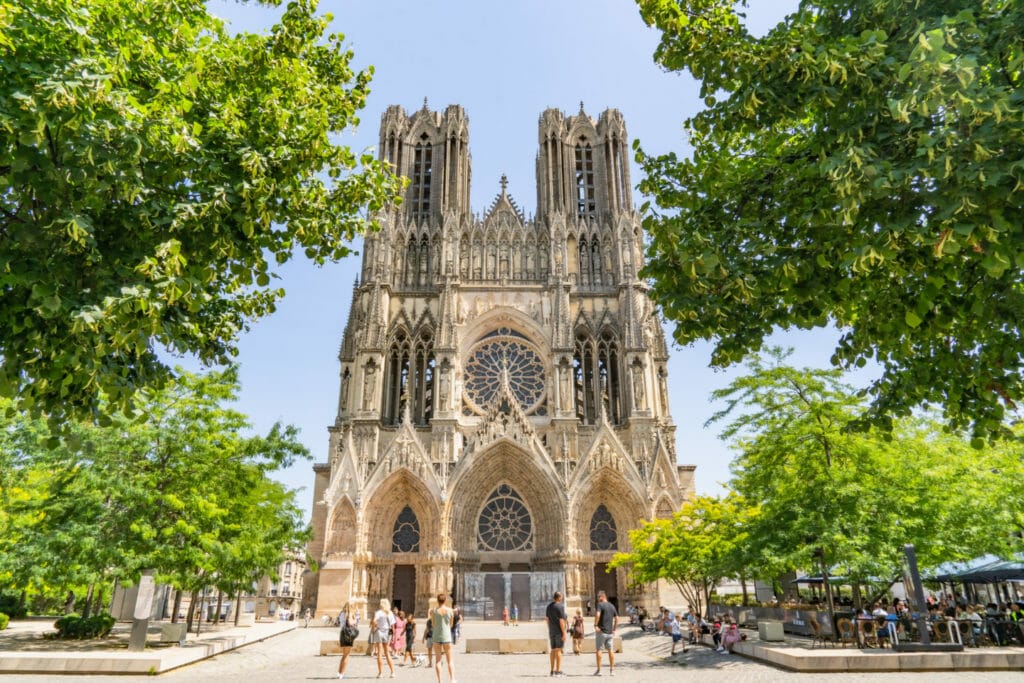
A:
(586, 206)
(591, 260)
(598, 377)
(405, 538)
(420, 263)
(409, 376)
(603, 533)
(422, 168)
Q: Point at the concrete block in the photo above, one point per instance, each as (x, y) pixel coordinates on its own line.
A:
(522, 646)
(588, 645)
(483, 644)
(172, 633)
(333, 647)
(247, 619)
(770, 631)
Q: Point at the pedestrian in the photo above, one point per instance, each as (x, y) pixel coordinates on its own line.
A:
(556, 619)
(410, 639)
(577, 632)
(589, 608)
(456, 623)
(442, 617)
(515, 615)
(380, 636)
(606, 620)
(398, 636)
(675, 628)
(428, 633)
(504, 615)
(346, 637)
(306, 616)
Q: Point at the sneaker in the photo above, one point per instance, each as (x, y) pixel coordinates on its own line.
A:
(597, 673)
(611, 672)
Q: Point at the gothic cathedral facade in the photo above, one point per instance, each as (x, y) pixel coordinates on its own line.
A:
(503, 407)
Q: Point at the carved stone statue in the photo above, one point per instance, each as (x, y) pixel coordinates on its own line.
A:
(369, 385)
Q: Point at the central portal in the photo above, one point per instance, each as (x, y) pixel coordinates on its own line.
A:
(403, 591)
(486, 594)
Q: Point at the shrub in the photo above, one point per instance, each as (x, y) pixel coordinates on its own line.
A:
(73, 626)
(9, 605)
(3, 621)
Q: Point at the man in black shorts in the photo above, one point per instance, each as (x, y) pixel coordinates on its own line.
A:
(557, 619)
(606, 619)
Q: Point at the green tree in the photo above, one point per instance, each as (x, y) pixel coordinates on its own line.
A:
(858, 165)
(694, 550)
(826, 493)
(186, 493)
(154, 169)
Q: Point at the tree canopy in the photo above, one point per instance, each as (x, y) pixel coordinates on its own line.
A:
(154, 169)
(858, 496)
(186, 493)
(862, 165)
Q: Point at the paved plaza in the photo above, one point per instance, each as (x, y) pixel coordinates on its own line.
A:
(293, 657)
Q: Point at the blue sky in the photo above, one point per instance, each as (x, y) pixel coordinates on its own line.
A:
(504, 63)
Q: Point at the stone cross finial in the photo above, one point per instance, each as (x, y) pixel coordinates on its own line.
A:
(424, 104)
(503, 182)
(581, 106)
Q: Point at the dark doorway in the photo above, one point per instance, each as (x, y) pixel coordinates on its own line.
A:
(521, 595)
(494, 596)
(607, 582)
(403, 589)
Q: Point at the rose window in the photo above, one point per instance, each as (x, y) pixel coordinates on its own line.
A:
(505, 522)
(504, 356)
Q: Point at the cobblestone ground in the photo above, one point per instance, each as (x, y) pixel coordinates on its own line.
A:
(293, 657)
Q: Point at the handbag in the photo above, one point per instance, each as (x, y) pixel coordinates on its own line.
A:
(349, 633)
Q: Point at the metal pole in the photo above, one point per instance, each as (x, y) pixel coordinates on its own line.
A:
(915, 578)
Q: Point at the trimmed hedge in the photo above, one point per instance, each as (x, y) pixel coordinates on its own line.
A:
(3, 621)
(75, 627)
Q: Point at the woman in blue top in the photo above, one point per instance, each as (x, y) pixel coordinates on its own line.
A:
(441, 621)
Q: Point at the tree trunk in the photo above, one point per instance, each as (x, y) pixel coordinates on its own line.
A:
(87, 609)
(220, 603)
(99, 600)
(177, 606)
(743, 585)
(238, 607)
(192, 610)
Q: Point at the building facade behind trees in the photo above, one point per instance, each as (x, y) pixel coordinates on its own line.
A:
(503, 415)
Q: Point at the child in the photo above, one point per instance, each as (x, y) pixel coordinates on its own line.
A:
(410, 639)
(577, 633)
(676, 631)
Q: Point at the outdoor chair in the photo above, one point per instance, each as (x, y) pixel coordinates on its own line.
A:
(847, 633)
(867, 633)
(947, 632)
(818, 636)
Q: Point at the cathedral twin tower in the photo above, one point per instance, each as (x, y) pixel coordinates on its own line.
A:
(503, 416)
